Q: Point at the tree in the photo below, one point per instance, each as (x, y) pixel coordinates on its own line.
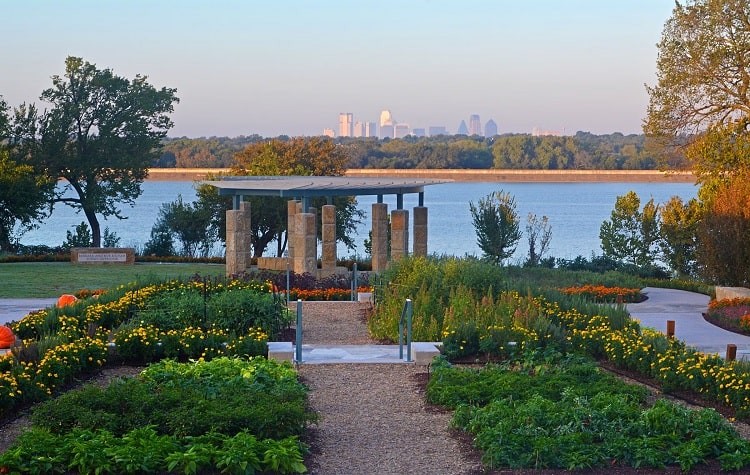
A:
(189, 223)
(539, 234)
(23, 192)
(679, 235)
(497, 225)
(100, 135)
(703, 70)
(631, 235)
(723, 256)
(23, 198)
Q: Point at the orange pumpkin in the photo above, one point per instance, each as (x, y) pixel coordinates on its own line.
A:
(66, 299)
(7, 338)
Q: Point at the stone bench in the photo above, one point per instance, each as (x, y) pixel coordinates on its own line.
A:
(423, 352)
(281, 351)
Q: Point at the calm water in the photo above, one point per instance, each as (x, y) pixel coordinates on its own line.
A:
(575, 212)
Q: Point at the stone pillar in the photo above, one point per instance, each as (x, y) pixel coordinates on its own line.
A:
(305, 245)
(239, 245)
(420, 231)
(292, 207)
(328, 232)
(399, 234)
(379, 237)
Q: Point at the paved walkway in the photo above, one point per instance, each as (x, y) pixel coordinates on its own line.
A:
(16, 309)
(686, 309)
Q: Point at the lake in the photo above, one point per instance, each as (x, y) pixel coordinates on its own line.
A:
(575, 212)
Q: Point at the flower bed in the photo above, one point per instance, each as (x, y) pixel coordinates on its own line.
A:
(245, 416)
(730, 314)
(604, 294)
(179, 319)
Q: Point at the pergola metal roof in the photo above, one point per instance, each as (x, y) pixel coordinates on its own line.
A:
(306, 187)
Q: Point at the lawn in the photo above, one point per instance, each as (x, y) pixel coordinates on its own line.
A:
(51, 279)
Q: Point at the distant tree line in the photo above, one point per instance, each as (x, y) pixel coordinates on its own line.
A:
(510, 151)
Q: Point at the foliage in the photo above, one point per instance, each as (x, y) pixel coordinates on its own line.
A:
(507, 151)
(100, 135)
(702, 71)
(240, 416)
(538, 234)
(679, 235)
(23, 196)
(724, 235)
(81, 237)
(497, 225)
(631, 234)
(190, 223)
(573, 416)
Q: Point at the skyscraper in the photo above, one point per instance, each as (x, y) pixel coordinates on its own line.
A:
(490, 128)
(386, 118)
(346, 124)
(462, 129)
(435, 130)
(359, 129)
(475, 125)
(371, 129)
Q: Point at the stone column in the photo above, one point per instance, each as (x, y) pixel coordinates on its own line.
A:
(306, 244)
(292, 207)
(420, 231)
(328, 232)
(239, 246)
(379, 237)
(399, 234)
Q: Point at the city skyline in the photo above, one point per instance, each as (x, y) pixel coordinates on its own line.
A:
(288, 67)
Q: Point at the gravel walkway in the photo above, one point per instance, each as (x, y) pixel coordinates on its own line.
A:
(373, 417)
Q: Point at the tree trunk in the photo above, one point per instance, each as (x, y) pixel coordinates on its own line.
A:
(96, 230)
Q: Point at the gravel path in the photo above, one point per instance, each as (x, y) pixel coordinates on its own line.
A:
(373, 417)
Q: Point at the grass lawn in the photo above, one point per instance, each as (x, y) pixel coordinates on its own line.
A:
(51, 279)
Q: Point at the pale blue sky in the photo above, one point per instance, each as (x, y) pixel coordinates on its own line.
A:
(290, 67)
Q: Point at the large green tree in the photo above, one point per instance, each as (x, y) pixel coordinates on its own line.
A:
(99, 136)
(703, 71)
(24, 193)
(679, 235)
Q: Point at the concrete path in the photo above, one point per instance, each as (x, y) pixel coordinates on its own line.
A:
(16, 309)
(686, 309)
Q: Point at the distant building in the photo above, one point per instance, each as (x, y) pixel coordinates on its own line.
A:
(435, 130)
(490, 128)
(462, 129)
(475, 125)
(371, 129)
(329, 133)
(346, 124)
(400, 130)
(418, 132)
(386, 131)
(386, 118)
(359, 129)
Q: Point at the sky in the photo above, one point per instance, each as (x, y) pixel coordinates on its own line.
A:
(273, 67)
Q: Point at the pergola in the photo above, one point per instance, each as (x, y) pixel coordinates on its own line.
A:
(302, 217)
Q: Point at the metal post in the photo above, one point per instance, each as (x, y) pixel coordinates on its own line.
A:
(408, 331)
(298, 336)
(354, 283)
(288, 290)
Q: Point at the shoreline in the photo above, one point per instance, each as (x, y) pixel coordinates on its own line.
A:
(485, 176)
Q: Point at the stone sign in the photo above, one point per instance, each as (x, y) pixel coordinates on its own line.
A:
(103, 255)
